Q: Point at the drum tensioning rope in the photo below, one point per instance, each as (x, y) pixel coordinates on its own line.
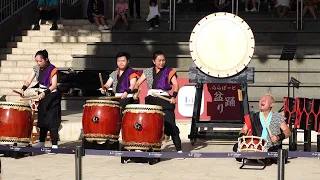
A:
(291, 154)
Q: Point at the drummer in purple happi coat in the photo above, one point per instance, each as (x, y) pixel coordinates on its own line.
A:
(49, 109)
(161, 79)
(122, 81)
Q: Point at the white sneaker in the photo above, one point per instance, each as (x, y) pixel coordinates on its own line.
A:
(191, 1)
(179, 1)
(253, 10)
(101, 28)
(150, 29)
(246, 9)
(53, 147)
(156, 26)
(39, 145)
(180, 158)
(137, 150)
(106, 27)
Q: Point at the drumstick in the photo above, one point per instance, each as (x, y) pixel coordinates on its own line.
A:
(265, 121)
(161, 97)
(101, 82)
(113, 97)
(17, 92)
(240, 95)
(29, 98)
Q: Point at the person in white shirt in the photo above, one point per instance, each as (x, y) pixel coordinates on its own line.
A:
(154, 15)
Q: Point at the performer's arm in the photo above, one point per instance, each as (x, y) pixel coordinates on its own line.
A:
(140, 81)
(27, 82)
(54, 85)
(244, 130)
(107, 85)
(285, 130)
(175, 85)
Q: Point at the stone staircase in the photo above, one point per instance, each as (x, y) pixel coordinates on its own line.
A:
(78, 44)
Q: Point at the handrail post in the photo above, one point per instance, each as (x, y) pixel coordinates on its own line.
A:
(301, 15)
(281, 163)
(78, 162)
(112, 9)
(170, 15)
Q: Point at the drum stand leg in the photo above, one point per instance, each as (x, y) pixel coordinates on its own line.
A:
(152, 161)
(307, 139)
(293, 137)
(196, 114)
(249, 162)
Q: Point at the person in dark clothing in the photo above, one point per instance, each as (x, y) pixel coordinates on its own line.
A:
(131, 2)
(95, 13)
(49, 108)
(47, 10)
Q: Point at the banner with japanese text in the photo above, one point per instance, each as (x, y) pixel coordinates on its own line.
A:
(219, 101)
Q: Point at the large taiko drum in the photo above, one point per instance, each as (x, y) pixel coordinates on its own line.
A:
(142, 127)
(15, 123)
(101, 121)
(221, 44)
(252, 144)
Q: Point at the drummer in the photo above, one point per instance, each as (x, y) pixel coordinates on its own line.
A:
(49, 108)
(256, 126)
(122, 81)
(160, 78)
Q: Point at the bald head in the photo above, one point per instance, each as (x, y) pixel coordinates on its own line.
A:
(266, 102)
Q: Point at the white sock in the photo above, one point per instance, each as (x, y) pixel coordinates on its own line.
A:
(54, 147)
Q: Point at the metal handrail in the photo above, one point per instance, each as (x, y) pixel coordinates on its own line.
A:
(10, 7)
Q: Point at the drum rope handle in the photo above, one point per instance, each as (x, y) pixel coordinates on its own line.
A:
(137, 126)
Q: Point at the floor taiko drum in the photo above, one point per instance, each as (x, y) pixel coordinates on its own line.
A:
(15, 123)
(101, 121)
(142, 127)
(252, 144)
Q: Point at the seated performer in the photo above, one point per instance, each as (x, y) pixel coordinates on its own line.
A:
(122, 81)
(159, 80)
(49, 109)
(256, 126)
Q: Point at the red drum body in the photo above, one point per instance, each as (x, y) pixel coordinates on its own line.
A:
(15, 123)
(101, 121)
(142, 127)
(252, 144)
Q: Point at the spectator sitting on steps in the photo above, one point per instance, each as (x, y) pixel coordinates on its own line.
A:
(282, 8)
(154, 15)
(222, 5)
(121, 11)
(246, 4)
(47, 10)
(311, 6)
(95, 12)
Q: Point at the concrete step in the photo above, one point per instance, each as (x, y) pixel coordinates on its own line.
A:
(40, 45)
(188, 24)
(14, 84)
(259, 62)
(73, 39)
(182, 48)
(14, 57)
(51, 51)
(29, 64)
(261, 36)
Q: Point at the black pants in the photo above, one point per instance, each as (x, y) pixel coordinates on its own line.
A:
(131, 2)
(154, 21)
(170, 127)
(53, 135)
(47, 15)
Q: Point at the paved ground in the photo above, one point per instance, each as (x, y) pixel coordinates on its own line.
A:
(62, 167)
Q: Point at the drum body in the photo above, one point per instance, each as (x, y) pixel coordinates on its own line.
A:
(15, 123)
(252, 144)
(101, 121)
(142, 127)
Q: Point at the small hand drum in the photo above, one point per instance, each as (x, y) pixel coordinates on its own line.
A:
(252, 144)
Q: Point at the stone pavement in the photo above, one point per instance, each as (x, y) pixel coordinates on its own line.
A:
(62, 167)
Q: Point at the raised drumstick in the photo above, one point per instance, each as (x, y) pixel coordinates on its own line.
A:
(101, 82)
(161, 97)
(113, 97)
(15, 91)
(29, 98)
